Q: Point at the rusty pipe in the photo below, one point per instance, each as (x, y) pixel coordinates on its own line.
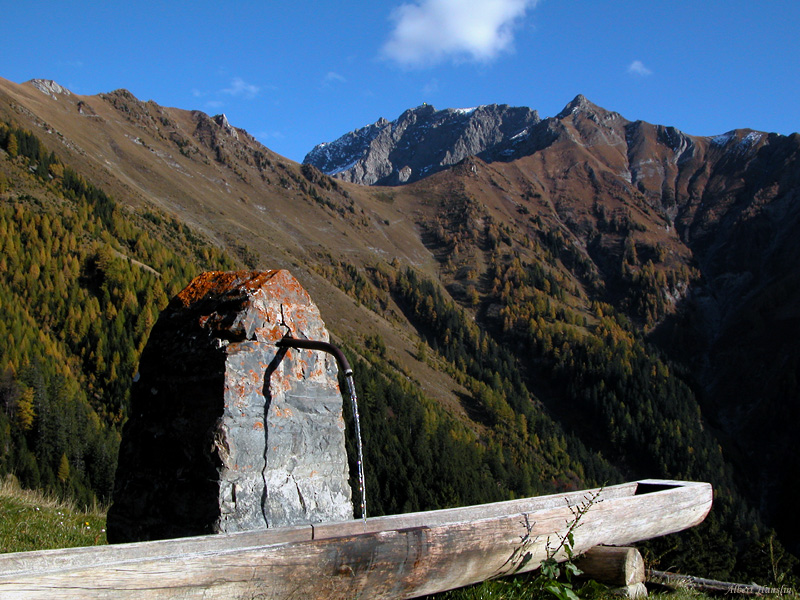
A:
(344, 365)
(341, 359)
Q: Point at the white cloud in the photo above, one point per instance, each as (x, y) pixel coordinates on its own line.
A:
(332, 76)
(240, 88)
(637, 68)
(428, 32)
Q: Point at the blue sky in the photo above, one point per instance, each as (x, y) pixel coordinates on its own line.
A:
(298, 73)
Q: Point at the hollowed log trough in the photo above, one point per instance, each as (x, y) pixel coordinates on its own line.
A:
(400, 556)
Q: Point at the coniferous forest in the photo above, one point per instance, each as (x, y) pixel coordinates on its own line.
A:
(558, 394)
(82, 284)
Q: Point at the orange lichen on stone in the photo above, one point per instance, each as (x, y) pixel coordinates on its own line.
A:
(283, 413)
(216, 283)
(232, 383)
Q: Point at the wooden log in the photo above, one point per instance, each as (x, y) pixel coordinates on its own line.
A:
(617, 566)
(676, 581)
(395, 557)
(633, 592)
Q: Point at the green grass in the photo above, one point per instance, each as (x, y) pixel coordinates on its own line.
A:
(32, 521)
(525, 587)
(521, 587)
(511, 588)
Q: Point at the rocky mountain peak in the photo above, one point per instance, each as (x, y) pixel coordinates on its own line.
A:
(578, 104)
(223, 122)
(582, 106)
(421, 141)
(424, 110)
(50, 87)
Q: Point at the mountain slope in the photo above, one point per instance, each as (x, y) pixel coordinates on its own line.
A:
(692, 236)
(497, 309)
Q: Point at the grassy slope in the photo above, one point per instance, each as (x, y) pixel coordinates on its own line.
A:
(32, 521)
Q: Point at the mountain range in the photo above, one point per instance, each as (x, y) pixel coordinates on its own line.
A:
(421, 142)
(579, 249)
(726, 206)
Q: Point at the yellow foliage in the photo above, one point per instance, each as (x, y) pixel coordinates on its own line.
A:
(13, 145)
(57, 170)
(25, 410)
(63, 469)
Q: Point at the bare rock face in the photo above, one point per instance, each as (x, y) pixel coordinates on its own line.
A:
(422, 141)
(50, 87)
(228, 432)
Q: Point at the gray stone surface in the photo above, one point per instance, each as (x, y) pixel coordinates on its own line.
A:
(422, 141)
(227, 432)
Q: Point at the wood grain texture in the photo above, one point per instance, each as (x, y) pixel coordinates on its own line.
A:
(613, 565)
(402, 556)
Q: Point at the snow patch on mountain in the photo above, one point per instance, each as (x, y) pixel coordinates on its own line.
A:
(723, 139)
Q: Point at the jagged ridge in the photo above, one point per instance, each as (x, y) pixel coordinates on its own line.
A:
(419, 142)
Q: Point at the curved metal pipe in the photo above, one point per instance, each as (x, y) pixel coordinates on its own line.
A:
(344, 365)
(290, 342)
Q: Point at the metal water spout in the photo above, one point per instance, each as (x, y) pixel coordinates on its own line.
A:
(344, 365)
(291, 342)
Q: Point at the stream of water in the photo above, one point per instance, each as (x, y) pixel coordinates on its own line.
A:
(354, 402)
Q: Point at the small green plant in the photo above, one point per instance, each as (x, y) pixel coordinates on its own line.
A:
(557, 579)
(553, 578)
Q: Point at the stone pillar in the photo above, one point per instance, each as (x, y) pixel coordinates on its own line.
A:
(226, 431)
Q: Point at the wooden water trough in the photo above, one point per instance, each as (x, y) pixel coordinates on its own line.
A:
(400, 556)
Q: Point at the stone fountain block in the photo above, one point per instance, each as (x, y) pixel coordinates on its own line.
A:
(228, 432)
